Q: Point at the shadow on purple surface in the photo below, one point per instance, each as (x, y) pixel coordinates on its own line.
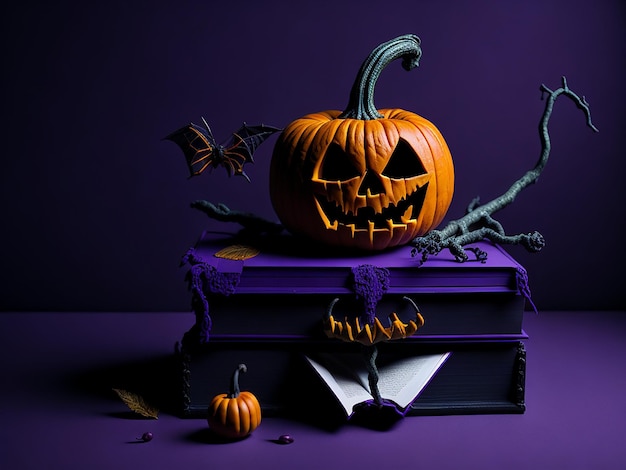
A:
(206, 436)
(155, 380)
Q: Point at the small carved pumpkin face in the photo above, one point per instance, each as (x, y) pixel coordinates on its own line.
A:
(369, 184)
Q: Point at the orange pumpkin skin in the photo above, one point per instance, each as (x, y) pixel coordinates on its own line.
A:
(363, 178)
(234, 418)
(394, 182)
(236, 414)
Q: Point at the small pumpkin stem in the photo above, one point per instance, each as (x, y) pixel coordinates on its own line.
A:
(234, 382)
(361, 104)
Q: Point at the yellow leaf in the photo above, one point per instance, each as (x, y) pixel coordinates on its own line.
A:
(237, 252)
(137, 404)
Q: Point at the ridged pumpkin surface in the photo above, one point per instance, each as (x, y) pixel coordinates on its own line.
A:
(236, 414)
(388, 209)
(363, 178)
(234, 417)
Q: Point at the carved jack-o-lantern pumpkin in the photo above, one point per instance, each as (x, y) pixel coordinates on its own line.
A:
(363, 178)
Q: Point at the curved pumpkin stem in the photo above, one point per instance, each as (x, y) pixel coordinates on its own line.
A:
(234, 382)
(361, 104)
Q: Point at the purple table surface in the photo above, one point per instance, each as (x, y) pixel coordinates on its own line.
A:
(50, 418)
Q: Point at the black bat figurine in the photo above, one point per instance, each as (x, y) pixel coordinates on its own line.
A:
(202, 151)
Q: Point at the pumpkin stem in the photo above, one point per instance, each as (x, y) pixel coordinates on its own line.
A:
(234, 382)
(361, 104)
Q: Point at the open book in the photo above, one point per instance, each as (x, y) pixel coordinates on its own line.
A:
(400, 381)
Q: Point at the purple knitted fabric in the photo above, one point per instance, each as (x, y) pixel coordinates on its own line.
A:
(523, 286)
(370, 284)
(203, 280)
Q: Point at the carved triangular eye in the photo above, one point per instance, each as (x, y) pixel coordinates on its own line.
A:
(337, 166)
(404, 162)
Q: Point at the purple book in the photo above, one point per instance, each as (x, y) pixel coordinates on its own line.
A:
(287, 288)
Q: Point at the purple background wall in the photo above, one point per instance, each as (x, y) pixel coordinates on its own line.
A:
(95, 207)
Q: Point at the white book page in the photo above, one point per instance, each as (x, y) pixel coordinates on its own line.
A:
(400, 381)
(344, 385)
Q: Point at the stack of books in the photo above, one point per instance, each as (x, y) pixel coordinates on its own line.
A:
(268, 310)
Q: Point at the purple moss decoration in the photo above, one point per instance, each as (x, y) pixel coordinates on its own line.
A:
(370, 284)
(204, 279)
(523, 286)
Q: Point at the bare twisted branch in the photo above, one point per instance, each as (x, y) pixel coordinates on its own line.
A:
(477, 222)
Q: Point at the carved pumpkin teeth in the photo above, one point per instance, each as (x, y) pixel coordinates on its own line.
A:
(375, 216)
(375, 202)
(416, 182)
(334, 193)
(384, 200)
(370, 231)
(398, 191)
(407, 216)
(330, 225)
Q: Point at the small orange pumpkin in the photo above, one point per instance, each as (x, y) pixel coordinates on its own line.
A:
(363, 178)
(236, 414)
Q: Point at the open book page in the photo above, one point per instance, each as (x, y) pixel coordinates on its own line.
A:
(400, 381)
(344, 383)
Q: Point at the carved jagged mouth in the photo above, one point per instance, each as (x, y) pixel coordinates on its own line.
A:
(403, 213)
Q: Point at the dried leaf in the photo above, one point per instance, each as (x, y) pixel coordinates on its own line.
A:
(137, 404)
(237, 252)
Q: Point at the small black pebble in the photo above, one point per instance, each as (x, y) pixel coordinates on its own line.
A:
(285, 439)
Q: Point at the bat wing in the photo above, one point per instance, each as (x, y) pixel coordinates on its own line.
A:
(242, 146)
(198, 146)
(253, 136)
